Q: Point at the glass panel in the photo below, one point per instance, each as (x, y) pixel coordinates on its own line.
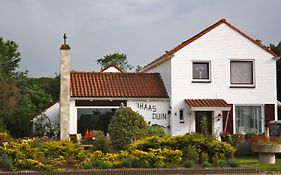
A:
(200, 70)
(94, 119)
(241, 72)
(248, 119)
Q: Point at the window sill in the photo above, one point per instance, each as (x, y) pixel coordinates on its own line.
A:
(201, 81)
(242, 86)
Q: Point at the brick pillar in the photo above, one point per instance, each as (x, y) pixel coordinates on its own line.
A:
(64, 90)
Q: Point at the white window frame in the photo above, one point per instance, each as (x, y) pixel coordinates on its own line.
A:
(234, 115)
(243, 85)
(196, 80)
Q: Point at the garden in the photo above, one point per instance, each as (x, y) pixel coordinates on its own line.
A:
(132, 144)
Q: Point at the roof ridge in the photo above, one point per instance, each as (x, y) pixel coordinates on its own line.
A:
(121, 73)
(169, 54)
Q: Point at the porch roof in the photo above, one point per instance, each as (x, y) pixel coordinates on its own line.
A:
(207, 104)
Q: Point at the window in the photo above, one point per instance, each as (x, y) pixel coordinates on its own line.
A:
(248, 119)
(201, 71)
(242, 73)
(181, 116)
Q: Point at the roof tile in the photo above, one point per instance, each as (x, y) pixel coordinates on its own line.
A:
(109, 84)
(206, 103)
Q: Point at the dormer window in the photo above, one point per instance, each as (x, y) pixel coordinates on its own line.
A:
(201, 71)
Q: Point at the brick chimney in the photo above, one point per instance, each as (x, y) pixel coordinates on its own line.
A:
(64, 89)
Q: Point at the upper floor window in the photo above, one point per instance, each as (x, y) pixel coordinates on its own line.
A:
(201, 71)
(242, 73)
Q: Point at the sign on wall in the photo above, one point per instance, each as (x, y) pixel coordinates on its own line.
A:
(154, 112)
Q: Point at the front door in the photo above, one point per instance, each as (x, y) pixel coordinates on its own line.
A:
(203, 122)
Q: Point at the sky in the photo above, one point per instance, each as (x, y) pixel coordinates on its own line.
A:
(141, 29)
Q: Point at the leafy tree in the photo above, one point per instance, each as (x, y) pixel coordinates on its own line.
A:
(277, 50)
(49, 85)
(125, 127)
(118, 59)
(9, 59)
(20, 101)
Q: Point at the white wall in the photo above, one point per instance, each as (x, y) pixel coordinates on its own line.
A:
(53, 113)
(219, 46)
(165, 71)
(73, 118)
(154, 112)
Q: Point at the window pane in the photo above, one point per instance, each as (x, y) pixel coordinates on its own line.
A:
(248, 119)
(241, 72)
(200, 70)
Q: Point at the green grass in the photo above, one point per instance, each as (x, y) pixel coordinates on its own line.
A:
(253, 162)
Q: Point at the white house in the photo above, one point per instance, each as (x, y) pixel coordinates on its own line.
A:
(220, 75)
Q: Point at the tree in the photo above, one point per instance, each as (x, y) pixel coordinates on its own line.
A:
(277, 50)
(125, 127)
(118, 59)
(9, 91)
(19, 100)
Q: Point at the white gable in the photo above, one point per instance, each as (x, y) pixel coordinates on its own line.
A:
(111, 69)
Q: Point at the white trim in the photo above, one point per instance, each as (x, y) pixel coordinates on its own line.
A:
(234, 115)
(202, 80)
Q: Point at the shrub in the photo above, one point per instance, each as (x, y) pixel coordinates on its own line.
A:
(125, 127)
(204, 157)
(222, 163)
(156, 130)
(202, 143)
(188, 163)
(233, 163)
(6, 163)
(101, 143)
(206, 164)
(191, 153)
(100, 164)
(43, 155)
(244, 150)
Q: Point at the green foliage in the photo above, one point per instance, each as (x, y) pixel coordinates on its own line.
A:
(101, 143)
(99, 164)
(117, 59)
(190, 152)
(203, 143)
(233, 163)
(188, 163)
(206, 164)
(156, 130)
(204, 124)
(204, 157)
(38, 154)
(125, 127)
(222, 163)
(49, 85)
(9, 59)
(277, 49)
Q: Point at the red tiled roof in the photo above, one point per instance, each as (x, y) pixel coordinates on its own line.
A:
(168, 55)
(206, 103)
(109, 84)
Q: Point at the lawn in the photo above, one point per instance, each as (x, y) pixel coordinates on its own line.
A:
(253, 162)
